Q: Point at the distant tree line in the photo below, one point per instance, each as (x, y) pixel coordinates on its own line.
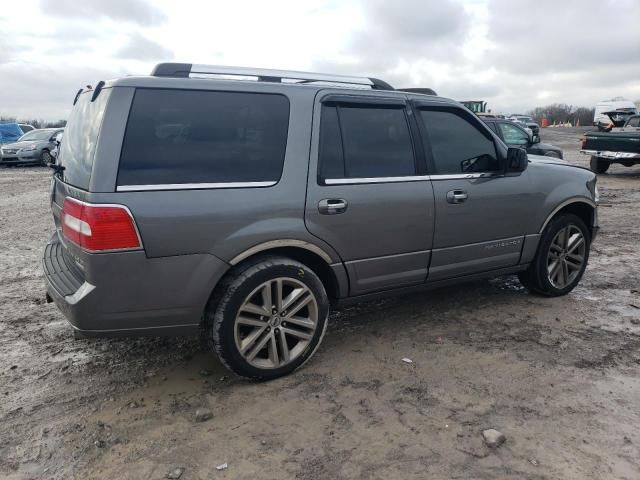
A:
(562, 113)
(35, 122)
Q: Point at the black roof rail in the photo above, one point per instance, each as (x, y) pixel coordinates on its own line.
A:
(422, 90)
(185, 70)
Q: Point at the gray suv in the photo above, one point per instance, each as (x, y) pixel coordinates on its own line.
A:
(188, 202)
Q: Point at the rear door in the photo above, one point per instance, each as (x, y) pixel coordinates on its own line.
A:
(368, 195)
(481, 214)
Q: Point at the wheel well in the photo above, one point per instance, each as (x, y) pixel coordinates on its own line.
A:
(312, 260)
(581, 210)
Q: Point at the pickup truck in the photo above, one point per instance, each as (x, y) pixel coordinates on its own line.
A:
(620, 145)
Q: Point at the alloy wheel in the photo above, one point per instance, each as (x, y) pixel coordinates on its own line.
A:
(566, 256)
(276, 323)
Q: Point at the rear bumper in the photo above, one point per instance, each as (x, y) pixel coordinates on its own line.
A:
(613, 156)
(127, 294)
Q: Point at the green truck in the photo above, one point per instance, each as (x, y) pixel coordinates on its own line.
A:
(619, 145)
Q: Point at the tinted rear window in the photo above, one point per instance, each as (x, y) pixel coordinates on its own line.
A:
(190, 136)
(80, 137)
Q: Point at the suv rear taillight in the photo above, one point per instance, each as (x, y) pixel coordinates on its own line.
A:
(99, 228)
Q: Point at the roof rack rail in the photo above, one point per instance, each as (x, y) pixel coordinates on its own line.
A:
(423, 90)
(186, 70)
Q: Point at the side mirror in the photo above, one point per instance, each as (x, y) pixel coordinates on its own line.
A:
(535, 139)
(517, 160)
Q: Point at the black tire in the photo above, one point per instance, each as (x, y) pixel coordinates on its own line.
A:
(46, 158)
(223, 307)
(598, 165)
(536, 278)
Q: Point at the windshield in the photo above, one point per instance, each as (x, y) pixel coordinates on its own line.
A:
(80, 138)
(36, 135)
(525, 119)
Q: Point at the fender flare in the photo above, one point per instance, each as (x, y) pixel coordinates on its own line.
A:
(584, 200)
(288, 242)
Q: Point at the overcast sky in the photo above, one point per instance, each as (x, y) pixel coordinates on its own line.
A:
(514, 54)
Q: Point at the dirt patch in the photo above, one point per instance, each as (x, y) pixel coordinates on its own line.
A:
(559, 377)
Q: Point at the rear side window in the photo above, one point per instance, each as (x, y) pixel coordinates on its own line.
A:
(80, 138)
(365, 142)
(634, 122)
(457, 145)
(191, 136)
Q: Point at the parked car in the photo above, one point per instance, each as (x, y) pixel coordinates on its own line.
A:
(603, 111)
(620, 145)
(514, 135)
(265, 202)
(34, 147)
(9, 133)
(527, 121)
(25, 127)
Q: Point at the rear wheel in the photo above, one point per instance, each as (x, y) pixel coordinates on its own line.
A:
(598, 165)
(561, 258)
(267, 318)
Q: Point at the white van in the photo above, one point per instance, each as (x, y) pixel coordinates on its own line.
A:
(617, 104)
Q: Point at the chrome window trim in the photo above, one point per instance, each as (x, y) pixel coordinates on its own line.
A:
(351, 181)
(193, 186)
(463, 176)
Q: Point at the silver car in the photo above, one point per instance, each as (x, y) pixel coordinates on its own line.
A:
(33, 147)
(187, 202)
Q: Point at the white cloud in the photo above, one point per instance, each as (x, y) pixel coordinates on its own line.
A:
(515, 55)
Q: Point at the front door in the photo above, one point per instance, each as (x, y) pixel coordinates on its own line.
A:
(481, 213)
(368, 195)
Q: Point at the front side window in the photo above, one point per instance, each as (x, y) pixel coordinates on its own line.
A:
(513, 135)
(192, 136)
(634, 122)
(457, 145)
(365, 142)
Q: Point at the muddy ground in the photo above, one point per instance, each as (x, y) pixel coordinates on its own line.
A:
(559, 377)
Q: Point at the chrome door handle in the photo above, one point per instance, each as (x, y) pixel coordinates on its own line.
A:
(332, 206)
(457, 196)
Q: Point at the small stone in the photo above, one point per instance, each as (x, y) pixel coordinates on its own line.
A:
(205, 373)
(493, 438)
(203, 414)
(533, 461)
(223, 466)
(175, 473)
(100, 443)
(627, 440)
(407, 360)
(635, 321)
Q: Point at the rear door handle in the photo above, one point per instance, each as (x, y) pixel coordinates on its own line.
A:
(457, 196)
(332, 206)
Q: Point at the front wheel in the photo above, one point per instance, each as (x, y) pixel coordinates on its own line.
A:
(561, 258)
(267, 318)
(599, 165)
(46, 158)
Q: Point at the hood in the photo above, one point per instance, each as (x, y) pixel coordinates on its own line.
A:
(549, 160)
(19, 145)
(547, 147)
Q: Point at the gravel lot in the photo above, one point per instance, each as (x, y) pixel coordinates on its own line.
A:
(560, 378)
